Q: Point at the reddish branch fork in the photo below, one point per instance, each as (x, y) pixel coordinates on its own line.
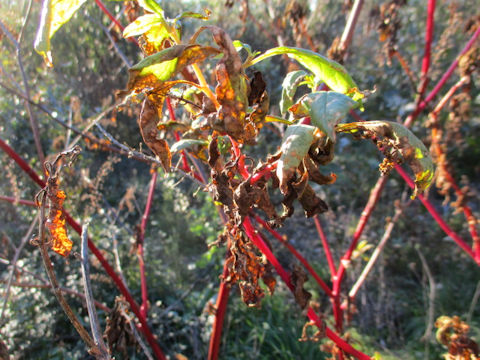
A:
(108, 269)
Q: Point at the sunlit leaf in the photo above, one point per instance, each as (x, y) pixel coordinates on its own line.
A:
(187, 144)
(142, 24)
(289, 88)
(151, 6)
(158, 68)
(325, 108)
(295, 144)
(324, 69)
(394, 139)
(54, 14)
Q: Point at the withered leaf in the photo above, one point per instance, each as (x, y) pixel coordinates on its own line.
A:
(231, 89)
(295, 145)
(55, 223)
(398, 144)
(314, 173)
(298, 278)
(163, 65)
(246, 268)
(117, 332)
(246, 196)
(311, 203)
(213, 153)
(147, 123)
(257, 88)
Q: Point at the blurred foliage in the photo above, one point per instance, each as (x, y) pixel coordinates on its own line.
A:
(182, 272)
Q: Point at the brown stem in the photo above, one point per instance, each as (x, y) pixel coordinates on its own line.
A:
(347, 35)
(54, 283)
(376, 253)
(31, 115)
(92, 312)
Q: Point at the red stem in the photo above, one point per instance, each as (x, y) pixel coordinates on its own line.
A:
(372, 201)
(436, 216)
(220, 311)
(295, 253)
(17, 201)
(102, 6)
(428, 46)
(266, 172)
(140, 242)
(108, 269)
(262, 246)
(442, 81)
(326, 246)
(185, 165)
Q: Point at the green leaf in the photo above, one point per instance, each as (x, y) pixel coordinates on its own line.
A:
(325, 108)
(158, 68)
(295, 145)
(152, 6)
(324, 69)
(289, 88)
(54, 14)
(191, 14)
(394, 138)
(143, 24)
(187, 144)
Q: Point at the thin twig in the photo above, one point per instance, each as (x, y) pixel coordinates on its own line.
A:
(92, 312)
(473, 304)
(135, 333)
(376, 253)
(31, 115)
(427, 336)
(119, 52)
(13, 265)
(17, 201)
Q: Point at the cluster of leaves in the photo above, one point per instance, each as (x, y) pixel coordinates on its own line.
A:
(237, 111)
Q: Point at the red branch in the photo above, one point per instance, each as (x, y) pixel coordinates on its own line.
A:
(108, 269)
(220, 310)
(428, 45)
(436, 216)
(362, 222)
(326, 246)
(442, 81)
(140, 241)
(17, 201)
(295, 253)
(262, 246)
(102, 6)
